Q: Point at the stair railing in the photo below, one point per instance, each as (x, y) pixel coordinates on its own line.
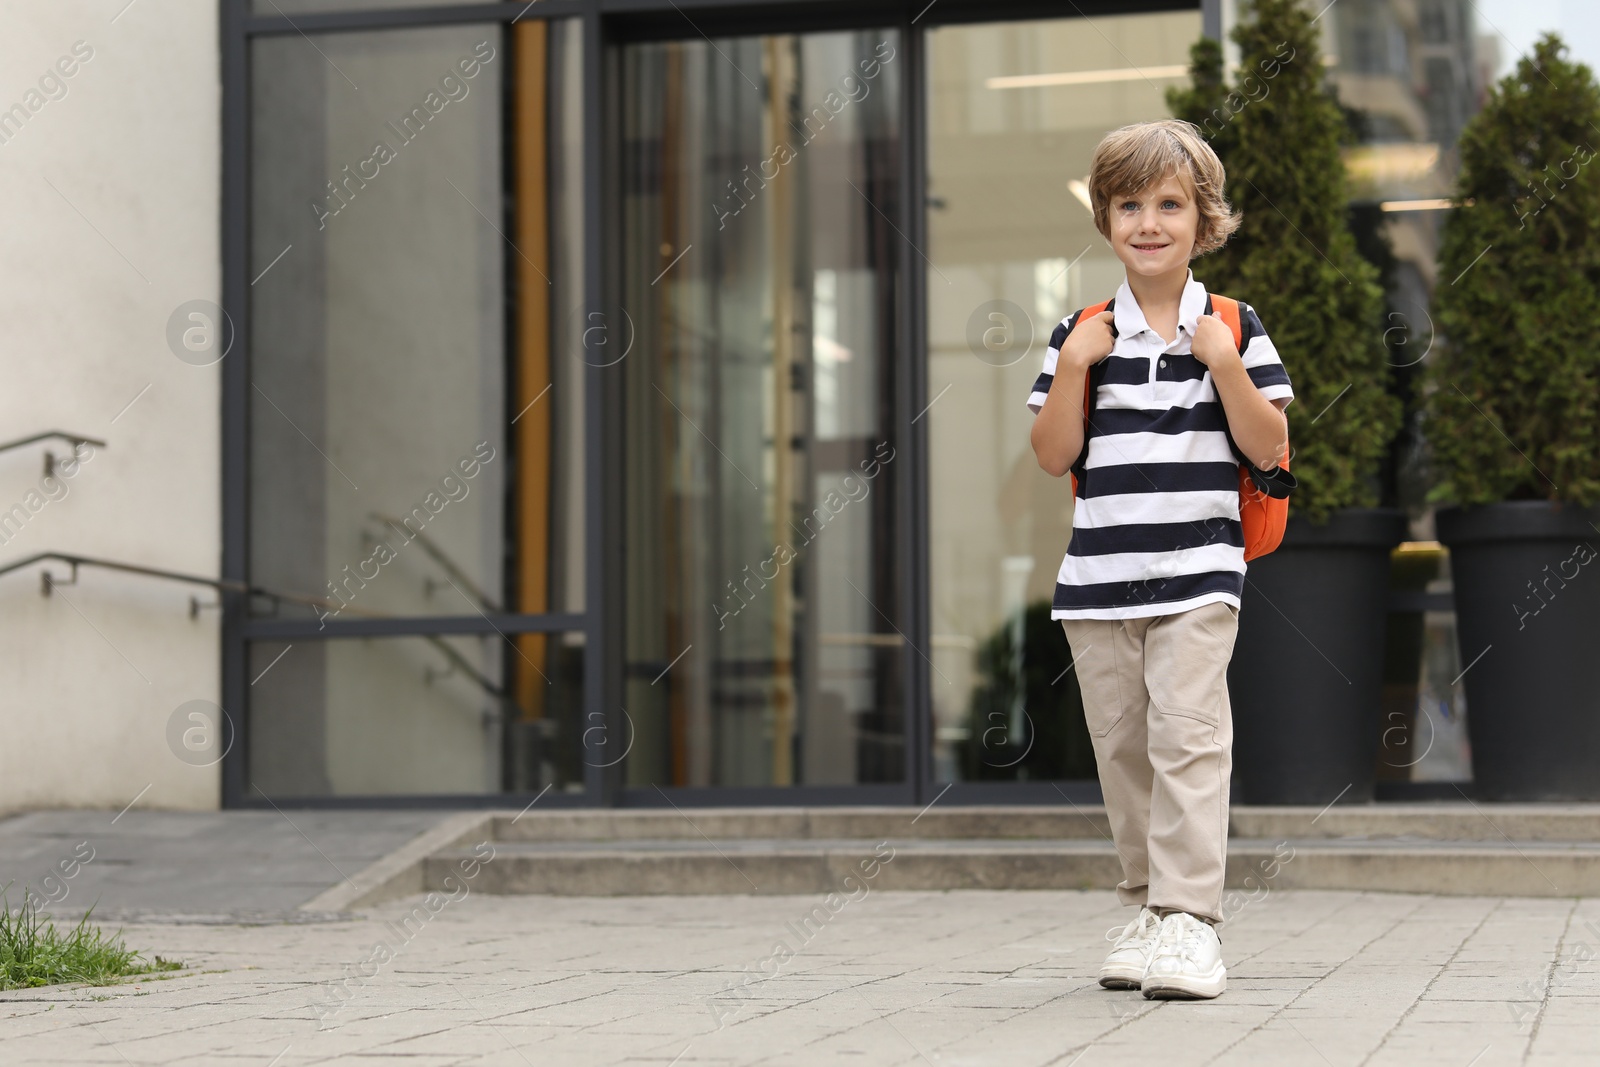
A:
(48, 582)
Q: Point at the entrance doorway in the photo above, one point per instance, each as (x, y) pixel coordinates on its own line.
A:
(761, 271)
(1014, 110)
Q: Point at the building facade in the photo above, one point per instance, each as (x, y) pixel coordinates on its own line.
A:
(579, 403)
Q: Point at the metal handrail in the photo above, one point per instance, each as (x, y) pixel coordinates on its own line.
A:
(228, 585)
(75, 439)
(499, 692)
(439, 556)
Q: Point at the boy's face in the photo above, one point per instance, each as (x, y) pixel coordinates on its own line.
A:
(1153, 230)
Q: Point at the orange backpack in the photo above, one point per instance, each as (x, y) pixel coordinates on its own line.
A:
(1263, 495)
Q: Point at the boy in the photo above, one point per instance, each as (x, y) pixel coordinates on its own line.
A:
(1148, 593)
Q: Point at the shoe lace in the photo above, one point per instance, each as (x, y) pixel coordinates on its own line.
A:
(1142, 925)
(1181, 935)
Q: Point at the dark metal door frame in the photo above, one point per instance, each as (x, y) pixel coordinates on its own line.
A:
(605, 25)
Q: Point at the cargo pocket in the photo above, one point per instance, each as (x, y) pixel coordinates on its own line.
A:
(1186, 664)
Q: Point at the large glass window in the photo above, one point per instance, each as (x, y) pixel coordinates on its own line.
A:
(1411, 74)
(764, 633)
(1014, 113)
(1408, 102)
(414, 407)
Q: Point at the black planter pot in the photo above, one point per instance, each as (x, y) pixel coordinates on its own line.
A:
(1527, 592)
(1306, 679)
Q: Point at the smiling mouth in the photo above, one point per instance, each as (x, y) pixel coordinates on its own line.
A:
(1149, 248)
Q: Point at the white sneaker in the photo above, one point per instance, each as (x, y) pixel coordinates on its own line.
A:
(1124, 966)
(1186, 961)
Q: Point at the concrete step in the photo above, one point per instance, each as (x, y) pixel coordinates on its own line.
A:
(707, 866)
(1461, 820)
(794, 824)
(1443, 821)
(1412, 865)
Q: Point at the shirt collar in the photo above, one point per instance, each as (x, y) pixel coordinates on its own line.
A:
(1129, 317)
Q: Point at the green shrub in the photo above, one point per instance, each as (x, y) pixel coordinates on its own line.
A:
(1514, 386)
(1278, 130)
(1049, 740)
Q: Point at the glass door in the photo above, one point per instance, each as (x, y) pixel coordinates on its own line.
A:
(760, 298)
(1015, 110)
(416, 479)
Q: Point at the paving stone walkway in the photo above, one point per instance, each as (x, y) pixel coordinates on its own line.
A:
(217, 864)
(935, 979)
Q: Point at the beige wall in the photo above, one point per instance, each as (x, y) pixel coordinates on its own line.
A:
(111, 194)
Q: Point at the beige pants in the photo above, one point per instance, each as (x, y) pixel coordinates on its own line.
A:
(1155, 695)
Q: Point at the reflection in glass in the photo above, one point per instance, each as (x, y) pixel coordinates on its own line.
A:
(415, 413)
(1424, 735)
(412, 715)
(378, 358)
(384, 376)
(1014, 113)
(763, 642)
(1411, 76)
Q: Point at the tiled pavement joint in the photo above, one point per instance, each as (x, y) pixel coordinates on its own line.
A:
(1443, 967)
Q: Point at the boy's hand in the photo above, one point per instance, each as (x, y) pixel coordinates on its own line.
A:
(1092, 340)
(1213, 341)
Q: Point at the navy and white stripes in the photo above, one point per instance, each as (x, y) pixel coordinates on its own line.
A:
(1156, 521)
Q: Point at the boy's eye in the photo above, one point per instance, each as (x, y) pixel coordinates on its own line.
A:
(1129, 205)
(1169, 203)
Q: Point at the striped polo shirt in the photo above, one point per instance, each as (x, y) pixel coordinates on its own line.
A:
(1155, 526)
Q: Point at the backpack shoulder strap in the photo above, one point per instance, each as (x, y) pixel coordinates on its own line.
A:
(1088, 392)
(1228, 309)
(1088, 389)
(1277, 482)
(1091, 312)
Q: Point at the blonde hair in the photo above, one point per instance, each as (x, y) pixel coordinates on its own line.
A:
(1132, 158)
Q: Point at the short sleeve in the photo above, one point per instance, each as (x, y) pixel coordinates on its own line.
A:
(1041, 385)
(1260, 357)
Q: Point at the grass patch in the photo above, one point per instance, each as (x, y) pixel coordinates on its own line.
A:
(33, 952)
